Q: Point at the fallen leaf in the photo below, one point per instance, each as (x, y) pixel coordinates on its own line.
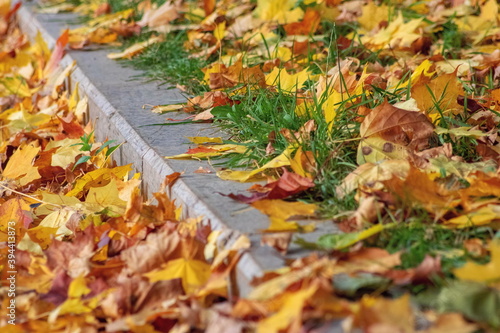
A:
(20, 165)
(344, 240)
(193, 273)
(287, 82)
(242, 176)
(135, 49)
(378, 314)
(439, 96)
(284, 210)
(290, 314)
(281, 11)
(488, 273)
(308, 25)
(402, 127)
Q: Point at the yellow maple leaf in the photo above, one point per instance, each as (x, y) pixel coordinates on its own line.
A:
(17, 85)
(66, 152)
(23, 119)
(280, 225)
(284, 210)
(373, 14)
(281, 11)
(56, 222)
(106, 197)
(374, 149)
(489, 272)
(220, 31)
(206, 151)
(290, 314)
(135, 49)
(20, 165)
(371, 173)
(287, 82)
(204, 139)
(396, 34)
(76, 302)
(482, 216)
(439, 96)
(244, 175)
(193, 273)
(97, 178)
(13, 213)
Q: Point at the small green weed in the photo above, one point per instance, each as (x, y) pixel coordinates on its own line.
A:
(86, 148)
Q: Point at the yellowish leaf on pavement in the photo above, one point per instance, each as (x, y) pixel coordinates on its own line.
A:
(243, 175)
(135, 49)
(284, 210)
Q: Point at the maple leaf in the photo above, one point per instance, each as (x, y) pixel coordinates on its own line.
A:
(155, 250)
(373, 14)
(14, 210)
(369, 173)
(282, 11)
(287, 185)
(242, 175)
(156, 17)
(97, 178)
(391, 132)
(439, 96)
(135, 49)
(489, 273)
(386, 314)
(396, 34)
(57, 54)
(219, 76)
(419, 189)
(284, 210)
(307, 26)
(20, 165)
(193, 273)
(287, 82)
(289, 315)
(106, 198)
(344, 240)
(206, 151)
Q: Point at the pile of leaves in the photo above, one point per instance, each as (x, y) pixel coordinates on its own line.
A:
(382, 116)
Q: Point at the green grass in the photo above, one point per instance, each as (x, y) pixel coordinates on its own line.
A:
(168, 62)
(421, 237)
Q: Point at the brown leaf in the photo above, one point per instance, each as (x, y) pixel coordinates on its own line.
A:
(157, 248)
(423, 273)
(103, 8)
(235, 74)
(287, 185)
(382, 315)
(279, 241)
(418, 189)
(403, 127)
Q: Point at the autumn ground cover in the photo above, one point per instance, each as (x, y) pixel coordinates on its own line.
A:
(379, 116)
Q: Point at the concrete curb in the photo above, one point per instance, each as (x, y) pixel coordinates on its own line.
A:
(115, 108)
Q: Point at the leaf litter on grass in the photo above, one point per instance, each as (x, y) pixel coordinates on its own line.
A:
(389, 110)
